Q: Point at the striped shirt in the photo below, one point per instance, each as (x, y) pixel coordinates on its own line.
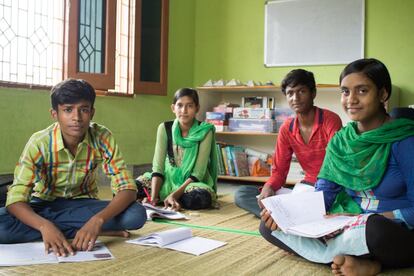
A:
(47, 170)
(310, 156)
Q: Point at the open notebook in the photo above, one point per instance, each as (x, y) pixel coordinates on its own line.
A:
(34, 253)
(302, 214)
(158, 212)
(180, 239)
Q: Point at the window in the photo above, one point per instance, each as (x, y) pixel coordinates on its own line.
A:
(91, 43)
(119, 46)
(31, 44)
(151, 49)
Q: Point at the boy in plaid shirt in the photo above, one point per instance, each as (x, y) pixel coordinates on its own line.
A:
(54, 193)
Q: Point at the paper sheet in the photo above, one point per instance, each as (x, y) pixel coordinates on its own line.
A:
(302, 214)
(179, 239)
(34, 253)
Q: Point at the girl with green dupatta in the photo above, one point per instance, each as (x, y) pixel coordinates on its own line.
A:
(184, 167)
(367, 173)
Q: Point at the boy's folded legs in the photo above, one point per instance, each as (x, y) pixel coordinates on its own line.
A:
(69, 215)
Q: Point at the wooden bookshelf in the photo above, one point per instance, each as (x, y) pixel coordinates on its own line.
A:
(328, 96)
(255, 179)
(238, 88)
(251, 133)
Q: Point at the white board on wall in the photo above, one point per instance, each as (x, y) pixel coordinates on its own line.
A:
(313, 32)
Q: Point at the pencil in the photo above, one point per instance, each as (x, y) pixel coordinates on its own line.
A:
(147, 194)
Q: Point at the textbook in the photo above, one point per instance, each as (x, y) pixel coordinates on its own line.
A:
(158, 212)
(302, 214)
(180, 239)
(34, 253)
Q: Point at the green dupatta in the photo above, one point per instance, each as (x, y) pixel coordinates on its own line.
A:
(175, 176)
(359, 161)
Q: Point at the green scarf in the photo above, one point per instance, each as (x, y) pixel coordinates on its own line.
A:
(358, 161)
(175, 176)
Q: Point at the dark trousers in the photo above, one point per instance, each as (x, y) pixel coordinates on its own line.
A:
(69, 215)
(245, 198)
(390, 243)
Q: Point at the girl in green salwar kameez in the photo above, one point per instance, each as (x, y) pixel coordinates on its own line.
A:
(184, 167)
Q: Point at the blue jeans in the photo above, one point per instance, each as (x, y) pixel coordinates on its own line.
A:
(69, 215)
(245, 198)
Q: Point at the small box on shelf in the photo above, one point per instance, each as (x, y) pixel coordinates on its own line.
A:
(253, 113)
(253, 125)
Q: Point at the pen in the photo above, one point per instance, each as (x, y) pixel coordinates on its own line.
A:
(147, 194)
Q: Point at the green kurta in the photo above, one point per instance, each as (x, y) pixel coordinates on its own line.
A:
(194, 156)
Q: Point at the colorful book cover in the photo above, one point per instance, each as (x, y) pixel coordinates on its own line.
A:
(230, 164)
(221, 168)
(240, 161)
(225, 162)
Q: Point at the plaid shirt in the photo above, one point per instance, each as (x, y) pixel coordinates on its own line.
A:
(47, 170)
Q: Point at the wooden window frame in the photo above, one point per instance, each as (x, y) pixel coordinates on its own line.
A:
(146, 87)
(100, 81)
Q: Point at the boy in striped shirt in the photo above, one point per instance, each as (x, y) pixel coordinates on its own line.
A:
(54, 193)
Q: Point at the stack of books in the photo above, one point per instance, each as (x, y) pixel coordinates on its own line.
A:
(236, 160)
(220, 116)
(256, 114)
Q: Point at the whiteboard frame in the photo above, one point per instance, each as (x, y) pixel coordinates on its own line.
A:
(358, 40)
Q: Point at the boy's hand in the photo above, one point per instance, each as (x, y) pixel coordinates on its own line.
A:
(266, 192)
(86, 236)
(268, 220)
(54, 240)
(171, 202)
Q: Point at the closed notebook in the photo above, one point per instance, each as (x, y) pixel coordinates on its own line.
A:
(180, 239)
(158, 212)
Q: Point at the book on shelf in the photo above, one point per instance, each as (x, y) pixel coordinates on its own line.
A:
(34, 253)
(251, 160)
(261, 155)
(220, 163)
(239, 157)
(302, 214)
(180, 239)
(230, 163)
(159, 212)
(225, 162)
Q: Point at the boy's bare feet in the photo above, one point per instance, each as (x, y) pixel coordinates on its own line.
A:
(123, 233)
(353, 266)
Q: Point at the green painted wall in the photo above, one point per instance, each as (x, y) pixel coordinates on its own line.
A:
(209, 39)
(230, 36)
(133, 121)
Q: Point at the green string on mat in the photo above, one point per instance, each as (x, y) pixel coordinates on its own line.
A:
(220, 229)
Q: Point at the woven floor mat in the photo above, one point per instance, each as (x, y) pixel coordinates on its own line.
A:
(244, 254)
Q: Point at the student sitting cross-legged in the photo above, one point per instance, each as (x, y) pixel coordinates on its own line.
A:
(368, 173)
(306, 136)
(184, 167)
(54, 193)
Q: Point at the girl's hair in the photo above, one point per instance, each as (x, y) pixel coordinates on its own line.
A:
(374, 69)
(189, 92)
(299, 77)
(71, 91)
